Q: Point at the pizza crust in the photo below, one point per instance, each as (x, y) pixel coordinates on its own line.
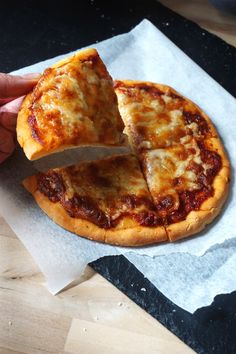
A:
(215, 144)
(126, 233)
(24, 137)
(195, 222)
(221, 189)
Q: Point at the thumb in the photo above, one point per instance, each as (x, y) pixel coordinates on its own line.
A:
(8, 114)
(14, 86)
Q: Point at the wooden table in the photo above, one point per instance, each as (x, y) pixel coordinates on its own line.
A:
(93, 316)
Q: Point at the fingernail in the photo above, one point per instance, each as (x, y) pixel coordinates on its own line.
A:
(31, 76)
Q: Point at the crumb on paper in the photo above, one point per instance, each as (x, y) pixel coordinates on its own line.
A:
(85, 329)
(120, 304)
(10, 323)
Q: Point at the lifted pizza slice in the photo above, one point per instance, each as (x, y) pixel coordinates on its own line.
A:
(73, 104)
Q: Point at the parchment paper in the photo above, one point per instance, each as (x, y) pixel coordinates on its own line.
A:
(190, 272)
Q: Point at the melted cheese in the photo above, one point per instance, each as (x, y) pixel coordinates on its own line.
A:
(75, 104)
(173, 124)
(168, 171)
(155, 115)
(110, 191)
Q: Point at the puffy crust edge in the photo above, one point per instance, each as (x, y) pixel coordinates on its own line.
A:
(221, 189)
(30, 146)
(215, 144)
(197, 220)
(81, 54)
(135, 236)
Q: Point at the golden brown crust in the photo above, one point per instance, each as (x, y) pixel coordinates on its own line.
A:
(221, 189)
(119, 235)
(30, 146)
(215, 144)
(44, 130)
(195, 222)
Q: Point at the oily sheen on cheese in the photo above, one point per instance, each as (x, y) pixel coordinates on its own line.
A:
(172, 170)
(156, 116)
(73, 104)
(93, 191)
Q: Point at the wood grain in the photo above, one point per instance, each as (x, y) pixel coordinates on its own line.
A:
(207, 16)
(33, 321)
(93, 316)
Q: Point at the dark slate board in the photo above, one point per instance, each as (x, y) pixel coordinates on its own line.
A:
(32, 31)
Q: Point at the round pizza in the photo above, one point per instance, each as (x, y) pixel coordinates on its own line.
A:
(173, 183)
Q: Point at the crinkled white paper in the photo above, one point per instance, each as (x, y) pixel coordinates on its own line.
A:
(190, 272)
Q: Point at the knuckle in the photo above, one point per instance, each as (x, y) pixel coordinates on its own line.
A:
(4, 83)
(2, 76)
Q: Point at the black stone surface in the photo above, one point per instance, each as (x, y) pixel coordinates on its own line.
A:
(31, 31)
(209, 330)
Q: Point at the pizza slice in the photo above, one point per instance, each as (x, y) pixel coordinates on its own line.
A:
(72, 105)
(189, 184)
(156, 116)
(104, 200)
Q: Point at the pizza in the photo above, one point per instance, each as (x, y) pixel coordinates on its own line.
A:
(73, 104)
(182, 158)
(104, 200)
(172, 184)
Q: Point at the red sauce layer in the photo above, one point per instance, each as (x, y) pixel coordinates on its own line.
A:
(192, 200)
(51, 185)
(131, 90)
(34, 129)
(86, 208)
(198, 119)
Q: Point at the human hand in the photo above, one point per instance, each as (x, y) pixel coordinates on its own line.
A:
(12, 89)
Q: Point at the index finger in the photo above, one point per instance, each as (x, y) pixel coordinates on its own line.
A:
(13, 86)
